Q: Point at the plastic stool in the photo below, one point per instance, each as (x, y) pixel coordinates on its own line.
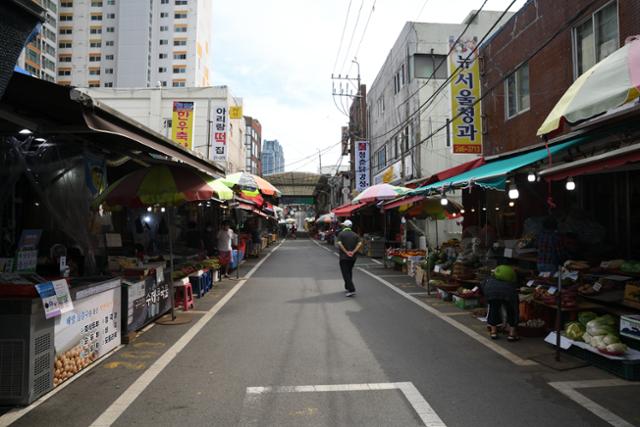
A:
(184, 296)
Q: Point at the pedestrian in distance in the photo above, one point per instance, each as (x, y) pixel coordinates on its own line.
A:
(349, 244)
(225, 237)
(501, 291)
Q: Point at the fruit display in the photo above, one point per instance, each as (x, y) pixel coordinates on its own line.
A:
(468, 293)
(188, 269)
(574, 265)
(69, 363)
(532, 323)
(568, 296)
(405, 253)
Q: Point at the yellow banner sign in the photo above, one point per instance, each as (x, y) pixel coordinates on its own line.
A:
(465, 91)
(182, 123)
(235, 112)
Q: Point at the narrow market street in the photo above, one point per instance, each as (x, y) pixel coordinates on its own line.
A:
(381, 359)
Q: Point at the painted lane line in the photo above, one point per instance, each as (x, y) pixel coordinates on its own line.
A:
(462, 328)
(569, 389)
(419, 404)
(117, 408)
(15, 414)
(376, 261)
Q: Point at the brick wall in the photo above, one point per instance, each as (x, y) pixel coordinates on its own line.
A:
(550, 70)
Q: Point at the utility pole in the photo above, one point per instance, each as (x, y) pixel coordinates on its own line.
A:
(320, 160)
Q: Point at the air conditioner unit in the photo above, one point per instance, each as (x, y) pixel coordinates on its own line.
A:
(27, 351)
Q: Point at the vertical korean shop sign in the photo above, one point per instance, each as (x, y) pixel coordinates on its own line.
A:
(465, 91)
(220, 123)
(362, 165)
(182, 123)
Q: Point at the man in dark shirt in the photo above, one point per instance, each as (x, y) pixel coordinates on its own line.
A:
(349, 244)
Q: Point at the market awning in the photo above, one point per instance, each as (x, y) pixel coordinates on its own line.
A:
(448, 173)
(601, 163)
(49, 109)
(349, 209)
(492, 175)
(404, 201)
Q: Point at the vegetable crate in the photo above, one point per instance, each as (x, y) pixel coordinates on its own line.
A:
(444, 295)
(465, 303)
(627, 369)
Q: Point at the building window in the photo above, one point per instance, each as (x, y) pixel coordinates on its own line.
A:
(108, 70)
(164, 14)
(95, 43)
(164, 42)
(66, 18)
(181, 55)
(163, 83)
(109, 57)
(110, 29)
(381, 157)
(179, 42)
(49, 49)
(95, 58)
(180, 15)
(96, 17)
(51, 20)
(66, 30)
(96, 3)
(111, 16)
(111, 2)
(162, 69)
(66, 3)
(108, 84)
(94, 84)
(49, 34)
(178, 83)
(181, 2)
(181, 29)
(64, 45)
(179, 70)
(596, 38)
(64, 58)
(162, 56)
(164, 28)
(109, 43)
(517, 91)
(380, 105)
(94, 72)
(425, 64)
(64, 72)
(164, 2)
(96, 30)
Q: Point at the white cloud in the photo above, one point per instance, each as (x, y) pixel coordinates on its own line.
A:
(278, 55)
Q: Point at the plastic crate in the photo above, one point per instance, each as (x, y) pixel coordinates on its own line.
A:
(465, 303)
(627, 369)
(198, 284)
(444, 295)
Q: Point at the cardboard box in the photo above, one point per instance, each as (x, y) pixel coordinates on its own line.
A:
(632, 294)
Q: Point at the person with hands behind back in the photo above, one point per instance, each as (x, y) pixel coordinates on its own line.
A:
(349, 244)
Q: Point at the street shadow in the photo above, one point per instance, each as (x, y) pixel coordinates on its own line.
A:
(322, 299)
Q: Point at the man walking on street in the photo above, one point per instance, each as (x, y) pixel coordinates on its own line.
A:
(349, 244)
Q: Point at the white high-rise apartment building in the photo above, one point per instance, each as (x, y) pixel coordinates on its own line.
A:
(134, 43)
(39, 56)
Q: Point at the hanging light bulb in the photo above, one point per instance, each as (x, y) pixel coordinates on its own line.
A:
(484, 209)
(162, 209)
(149, 209)
(462, 211)
(531, 177)
(443, 200)
(513, 192)
(25, 132)
(512, 204)
(497, 208)
(570, 185)
(473, 209)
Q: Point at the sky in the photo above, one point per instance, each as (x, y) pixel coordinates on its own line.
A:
(279, 55)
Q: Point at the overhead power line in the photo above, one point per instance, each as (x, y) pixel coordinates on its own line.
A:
(443, 85)
(569, 24)
(344, 28)
(353, 33)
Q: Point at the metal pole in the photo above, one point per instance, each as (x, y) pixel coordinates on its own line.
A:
(559, 313)
(173, 314)
(208, 128)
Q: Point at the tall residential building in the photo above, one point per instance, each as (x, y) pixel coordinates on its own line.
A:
(253, 136)
(39, 56)
(272, 157)
(117, 43)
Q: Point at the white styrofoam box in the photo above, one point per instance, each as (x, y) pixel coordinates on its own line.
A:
(630, 326)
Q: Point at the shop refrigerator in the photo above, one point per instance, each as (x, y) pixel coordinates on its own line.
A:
(26, 351)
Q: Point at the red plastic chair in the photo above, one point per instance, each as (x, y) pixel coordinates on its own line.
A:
(184, 296)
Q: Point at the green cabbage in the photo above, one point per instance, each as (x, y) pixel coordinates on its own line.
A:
(585, 317)
(616, 348)
(611, 339)
(574, 331)
(587, 338)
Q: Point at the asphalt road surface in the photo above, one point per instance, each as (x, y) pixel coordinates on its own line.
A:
(289, 349)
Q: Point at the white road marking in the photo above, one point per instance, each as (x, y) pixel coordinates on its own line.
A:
(417, 294)
(471, 333)
(15, 414)
(569, 389)
(376, 261)
(117, 408)
(394, 275)
(426, 413)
